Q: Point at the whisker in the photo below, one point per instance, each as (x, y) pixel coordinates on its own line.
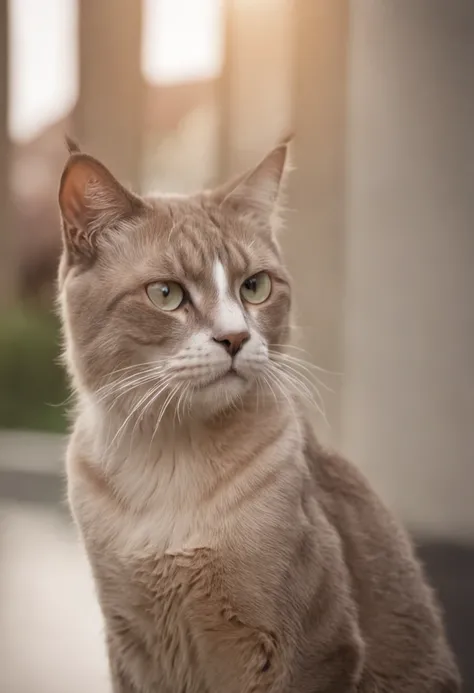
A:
(132, 366)
(140, 369)
(168, 400)
(159, 387)
(116, 396)
(268, 383)
(123, 388)
(153, 395)
(68, 399)
(189, 395)
(299, 385)
(308, 363)
(309, 391)
(304, 365)
(291, 369)
(127, 419)
(283, 391)
(180, 399)
(258, 394)
(128, 378)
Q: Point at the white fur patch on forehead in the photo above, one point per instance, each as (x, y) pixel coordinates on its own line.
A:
(229, 317)
(220, 278)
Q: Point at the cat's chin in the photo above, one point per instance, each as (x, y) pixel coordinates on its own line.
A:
(222, 393)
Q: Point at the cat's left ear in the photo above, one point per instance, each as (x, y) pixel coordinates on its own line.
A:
(92, 201)
(258, 192)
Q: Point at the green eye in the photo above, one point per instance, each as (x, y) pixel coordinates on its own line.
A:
(165, 295)
(256, 289)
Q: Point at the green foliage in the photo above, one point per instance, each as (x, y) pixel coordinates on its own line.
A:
(32, 383)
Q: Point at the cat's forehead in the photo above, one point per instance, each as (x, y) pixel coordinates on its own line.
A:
(194, 248)
(190, 239)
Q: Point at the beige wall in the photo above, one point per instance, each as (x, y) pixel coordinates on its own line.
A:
(256, 81)
(408, 408)
(109, 116)
(315, 239)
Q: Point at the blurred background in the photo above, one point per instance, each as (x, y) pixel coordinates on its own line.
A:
(179, 94)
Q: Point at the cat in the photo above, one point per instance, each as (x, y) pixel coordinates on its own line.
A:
(231, 552)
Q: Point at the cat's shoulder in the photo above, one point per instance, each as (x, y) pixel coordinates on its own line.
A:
(334, 473)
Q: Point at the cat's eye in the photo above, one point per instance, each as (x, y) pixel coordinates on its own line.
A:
(165, 295)
(256, 289)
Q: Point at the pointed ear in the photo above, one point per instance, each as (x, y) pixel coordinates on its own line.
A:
(72, 145)
(91, 200)
(257, 193)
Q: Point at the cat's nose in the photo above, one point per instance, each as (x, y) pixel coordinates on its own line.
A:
(233, 341)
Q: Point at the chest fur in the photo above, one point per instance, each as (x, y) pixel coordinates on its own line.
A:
(169, 618)
(149, 605)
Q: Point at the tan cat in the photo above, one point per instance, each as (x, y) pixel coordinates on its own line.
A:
(231, 553)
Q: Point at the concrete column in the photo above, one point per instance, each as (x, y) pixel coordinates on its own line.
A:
(8, 264)
(255, 86)
(315, 240)
(109, 114)
(409, 395)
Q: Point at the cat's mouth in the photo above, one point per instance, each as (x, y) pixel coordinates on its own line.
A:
(231, 374)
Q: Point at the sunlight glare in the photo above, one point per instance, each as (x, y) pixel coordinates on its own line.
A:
(43, 71)
(182, 40)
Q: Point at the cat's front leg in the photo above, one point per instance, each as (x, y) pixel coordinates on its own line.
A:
(120, 683)
(119, 666)
(240, 657)
(131, 667)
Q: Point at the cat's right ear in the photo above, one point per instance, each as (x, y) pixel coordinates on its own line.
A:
(92, 201)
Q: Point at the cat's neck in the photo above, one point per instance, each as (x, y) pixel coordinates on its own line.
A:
(198, 454)
(115, 435)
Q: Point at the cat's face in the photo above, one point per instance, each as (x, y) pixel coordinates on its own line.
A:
(175, 301)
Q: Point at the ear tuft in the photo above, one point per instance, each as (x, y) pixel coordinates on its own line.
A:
(287, 138)
(91, 200)
(258, 193)
(72, 145)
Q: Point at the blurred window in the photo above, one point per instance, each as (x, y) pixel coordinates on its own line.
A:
(182, 54)
(43, 70)
(182, 40)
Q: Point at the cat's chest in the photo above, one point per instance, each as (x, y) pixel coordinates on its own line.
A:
(173, 619)
(165, 527)
(150, 604)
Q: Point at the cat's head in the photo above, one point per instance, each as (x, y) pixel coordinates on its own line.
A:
(176, 299)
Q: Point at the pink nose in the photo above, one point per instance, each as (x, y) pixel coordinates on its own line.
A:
(233, 342)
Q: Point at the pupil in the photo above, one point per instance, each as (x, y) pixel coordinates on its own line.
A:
(251, 284)
(165, 290)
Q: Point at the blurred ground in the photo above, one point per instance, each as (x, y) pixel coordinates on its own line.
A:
(50, 626)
